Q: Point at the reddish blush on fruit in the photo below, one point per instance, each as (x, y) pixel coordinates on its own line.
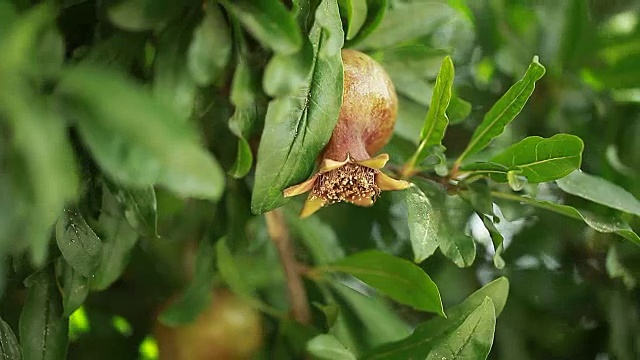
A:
(347, 171)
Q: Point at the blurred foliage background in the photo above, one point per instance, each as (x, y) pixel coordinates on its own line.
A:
(573, 291)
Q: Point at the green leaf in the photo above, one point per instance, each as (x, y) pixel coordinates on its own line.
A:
(269, 22)
(244, 160)
(472, 339)
(451, 214)
(496, 238)
(156, 148)
(23, 36)
(140, 15)
(379, 322)
(327, 347)
(118, 51)
(355, 11)
(8, 15)
(173, 83)
(538, 159)
(43, 328)
(299, 125)
(397, 278)
(229, 271)
(423, 225)
(599, 223)
(198, 293)
(244, 97)
(9, 347)
(44, 174)
(74, 287)
(376, 10)
(291, 339)
(479, 196)
(210, 49)
(542, 160)
(407, 21)
(600, 191)
(504, 111)
(118, 242)
(139, 206)
(616, 269)
(79, 244)
(435, 125)
(497, 290)
(436, 122)
(319, 238)
(428, 335)
(47, 166)
(287, 73)
(458, 110)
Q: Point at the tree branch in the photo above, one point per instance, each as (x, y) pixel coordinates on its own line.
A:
(279, 233)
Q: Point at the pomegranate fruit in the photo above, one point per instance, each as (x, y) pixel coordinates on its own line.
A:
(346, 170)
(228, 329)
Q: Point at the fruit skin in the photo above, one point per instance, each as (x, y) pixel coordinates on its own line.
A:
(227, 329)
(368, 112)
(346, 170)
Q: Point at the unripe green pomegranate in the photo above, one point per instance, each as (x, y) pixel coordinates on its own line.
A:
(347, 171)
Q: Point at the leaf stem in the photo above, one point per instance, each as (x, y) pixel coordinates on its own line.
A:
(279, 234)
(408, 169)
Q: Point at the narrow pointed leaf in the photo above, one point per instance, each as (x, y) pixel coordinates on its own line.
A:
(299, 125)
(472, 339)
(139, 206)
(74, 287)
(600, 191)
(407, 21)
(599, 223)
(210, 49)
(496, 238)
(397, 278)
(286, 73)
(269, 22)
(227, 266)
(504, 111)
(118, 242)
(375, 13)
(318, 237)
(458, 110)
(43, 328)
(79, 244)
(436, 122)
(244, 97)
(379, 322)
(9, 347)
(33, 132)
(428, 335)
(173, 84)
(355, 11)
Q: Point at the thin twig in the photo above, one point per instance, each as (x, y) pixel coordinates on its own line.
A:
(279, 234)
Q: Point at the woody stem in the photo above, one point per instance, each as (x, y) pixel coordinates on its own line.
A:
(279, 233)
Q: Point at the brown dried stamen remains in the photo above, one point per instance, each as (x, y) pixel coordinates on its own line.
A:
(351, 182)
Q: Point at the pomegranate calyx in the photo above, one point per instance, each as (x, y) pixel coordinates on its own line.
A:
(355, 181)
